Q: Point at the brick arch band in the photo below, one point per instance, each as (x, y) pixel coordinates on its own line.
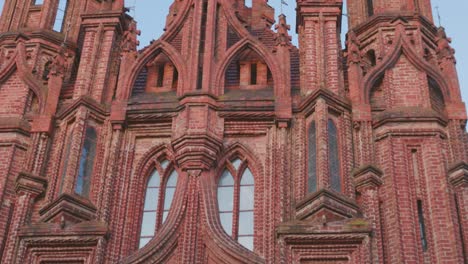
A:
(255, 45)
(221, 245)
(402, 46)
(150, 53)
(165, 240)
(18, 63)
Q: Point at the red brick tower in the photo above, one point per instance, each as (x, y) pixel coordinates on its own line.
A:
(409, 121)
(221, 142)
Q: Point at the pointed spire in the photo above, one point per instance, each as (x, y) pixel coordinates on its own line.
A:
(282, 36)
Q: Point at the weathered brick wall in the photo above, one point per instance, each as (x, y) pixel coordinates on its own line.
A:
(392, 96)
(13, 96)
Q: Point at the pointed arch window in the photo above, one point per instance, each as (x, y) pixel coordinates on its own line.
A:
(333, 157)
(59, 22)
(160, 191)
(236, 190)
(312, 159)
(86, 164)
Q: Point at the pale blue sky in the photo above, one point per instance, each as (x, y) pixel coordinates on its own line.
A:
(151, 15)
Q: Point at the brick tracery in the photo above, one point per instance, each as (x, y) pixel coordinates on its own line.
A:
(222, 90)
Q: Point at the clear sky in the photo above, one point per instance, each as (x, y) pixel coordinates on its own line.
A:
(151, 15)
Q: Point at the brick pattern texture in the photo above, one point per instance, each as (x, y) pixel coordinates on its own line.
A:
(221, 85)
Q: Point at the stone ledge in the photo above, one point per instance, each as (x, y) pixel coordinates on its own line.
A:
(458, 175)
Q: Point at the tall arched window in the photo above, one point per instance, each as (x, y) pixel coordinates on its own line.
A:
(160, 191)
(312, 159)
(333, 157)
(59, 22)
(236, 189)
(86, 164)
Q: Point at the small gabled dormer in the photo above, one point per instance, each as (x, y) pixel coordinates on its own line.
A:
(162, 75)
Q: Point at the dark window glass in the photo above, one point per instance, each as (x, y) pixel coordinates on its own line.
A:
(160, 81)
(370, 7)
(88, 153)
(333, 157)
(45, 73)
(253, 73)
(312, 159)
(66, 158)
(60, 16)
(422, 227)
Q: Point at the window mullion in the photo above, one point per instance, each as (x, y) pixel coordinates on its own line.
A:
(235, 213)
(161, 196)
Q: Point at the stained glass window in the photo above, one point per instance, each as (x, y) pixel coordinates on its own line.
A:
(312, 159)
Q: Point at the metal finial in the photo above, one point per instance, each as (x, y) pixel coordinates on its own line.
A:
(438, 16)
(283, 2)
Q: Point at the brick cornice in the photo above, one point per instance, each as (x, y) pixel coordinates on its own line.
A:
(326, 200)
(458, 175)
(68, 208)
(29, 183)
(87, 102)
(306, 106)
(367, 176)
(378, 20)
(409, 114)
(197, 151)
(16, 125)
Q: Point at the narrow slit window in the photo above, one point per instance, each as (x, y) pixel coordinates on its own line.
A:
(237, 215)
(66, 157)
(46, 71)
(158, 200)
(312, 159)
(59, 22)
(253, 73)
(370, 7)
(160, 80)
(333, 157)
(38, 2)
(422, 227)
(86, 164)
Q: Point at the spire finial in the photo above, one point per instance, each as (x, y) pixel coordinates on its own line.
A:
(438, 16)
(283, 2)
(282, 35)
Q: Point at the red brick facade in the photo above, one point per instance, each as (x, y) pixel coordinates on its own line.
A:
(326, 155)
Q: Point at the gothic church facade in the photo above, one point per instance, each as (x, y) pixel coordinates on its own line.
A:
(221, 142)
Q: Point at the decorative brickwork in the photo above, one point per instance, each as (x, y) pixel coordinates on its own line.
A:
(355, 155)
